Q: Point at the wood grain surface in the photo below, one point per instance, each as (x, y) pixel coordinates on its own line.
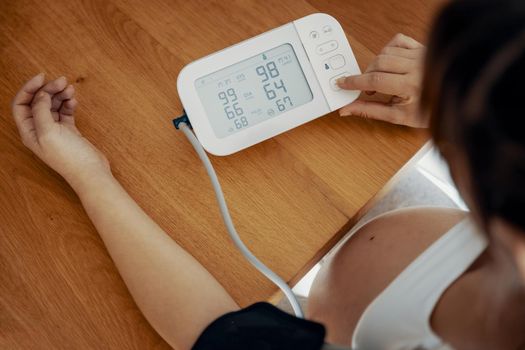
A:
(292, 197)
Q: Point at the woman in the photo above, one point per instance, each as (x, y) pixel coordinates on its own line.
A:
(439, 282)
(456, 290)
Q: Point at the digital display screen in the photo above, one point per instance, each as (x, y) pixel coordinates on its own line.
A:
(254, 90)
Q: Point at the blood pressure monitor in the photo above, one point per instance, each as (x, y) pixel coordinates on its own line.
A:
(266, 85)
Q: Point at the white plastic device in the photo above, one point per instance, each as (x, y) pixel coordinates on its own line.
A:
(268, 84)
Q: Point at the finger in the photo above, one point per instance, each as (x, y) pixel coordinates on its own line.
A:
(58, 98)
(26, 93)
(21, 109)
(68, 108)
(404, 41)
(386, 83)
(55, 86)
(373, 110)
(66, 113)
(41, 109)
(391, 64)
(401, 52)
(24, 97)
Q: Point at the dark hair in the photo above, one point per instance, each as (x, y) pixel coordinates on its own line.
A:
(474, 90)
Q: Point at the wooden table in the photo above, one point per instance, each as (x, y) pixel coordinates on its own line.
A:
(292, 197)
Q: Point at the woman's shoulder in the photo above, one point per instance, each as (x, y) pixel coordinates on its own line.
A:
(369, 261)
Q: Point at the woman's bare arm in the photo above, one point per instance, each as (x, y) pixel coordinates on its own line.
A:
(178, 296)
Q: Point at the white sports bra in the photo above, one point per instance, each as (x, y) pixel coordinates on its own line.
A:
(399, 318)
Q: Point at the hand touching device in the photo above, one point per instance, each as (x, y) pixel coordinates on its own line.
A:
(266, 85)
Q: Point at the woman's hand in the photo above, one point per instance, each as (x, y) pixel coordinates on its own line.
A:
(397, 72)
(44, 117)
(159, 273)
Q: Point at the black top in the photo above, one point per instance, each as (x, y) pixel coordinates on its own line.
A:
(261, 326)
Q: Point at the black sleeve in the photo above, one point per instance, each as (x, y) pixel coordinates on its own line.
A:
(261, 326)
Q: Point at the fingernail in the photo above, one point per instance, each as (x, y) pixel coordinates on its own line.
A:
(39, 76)
(340, 81)
(344, 113)
(60, 79)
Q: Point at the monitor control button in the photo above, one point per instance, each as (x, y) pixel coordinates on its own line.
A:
(333, 81)
(326, 47)
(327, 29)
(314, 35)
(336, 62)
